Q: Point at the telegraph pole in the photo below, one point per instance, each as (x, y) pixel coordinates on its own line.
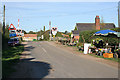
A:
(50, 29)
(4, 21)
(118, 14)
(40, 32)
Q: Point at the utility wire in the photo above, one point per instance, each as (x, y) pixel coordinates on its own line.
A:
(87, 12)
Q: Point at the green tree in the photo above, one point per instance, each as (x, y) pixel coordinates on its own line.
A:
(31, 32)
(59, 34)
(46, 35)
(7, 31)
(24, 31)
(44, 28)
(75, 28)
(87, 37)
(39, 33)
(65, 32)
(116, 29)
(5, 38)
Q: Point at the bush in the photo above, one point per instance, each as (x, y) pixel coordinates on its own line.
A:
(116, 29)
(87, 37)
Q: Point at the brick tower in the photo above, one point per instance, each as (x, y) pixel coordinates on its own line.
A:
(97, 23)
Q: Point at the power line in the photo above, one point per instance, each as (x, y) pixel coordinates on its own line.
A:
(87, 12)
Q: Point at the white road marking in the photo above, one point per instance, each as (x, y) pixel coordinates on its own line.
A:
(44, 50)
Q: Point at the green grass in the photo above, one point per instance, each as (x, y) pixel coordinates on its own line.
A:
(10, 57)
(113, 59)
(80, 51)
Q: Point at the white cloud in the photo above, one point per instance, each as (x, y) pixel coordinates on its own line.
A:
(60, 0)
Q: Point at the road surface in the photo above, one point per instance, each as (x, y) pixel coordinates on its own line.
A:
(44, 60)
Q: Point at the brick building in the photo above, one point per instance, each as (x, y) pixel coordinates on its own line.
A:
(91, 26)
(29, 37)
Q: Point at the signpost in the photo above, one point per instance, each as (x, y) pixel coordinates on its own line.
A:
(50, 29)
(12, 27)
(15, 31)
(19, 31)
(12, 31)
(54, 31)
(71, 37)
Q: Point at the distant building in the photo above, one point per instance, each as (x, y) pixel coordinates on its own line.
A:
(29, 37)
(64, 35)
(91, 26)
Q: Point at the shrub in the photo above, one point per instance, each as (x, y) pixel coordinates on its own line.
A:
(87, 37)
(116, 29)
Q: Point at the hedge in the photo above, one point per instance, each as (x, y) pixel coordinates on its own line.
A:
(116, 29)
(87, 37)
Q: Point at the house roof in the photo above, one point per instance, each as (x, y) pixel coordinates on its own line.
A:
(109, 25)
(85, 26)
(90, 26)
(30, 35)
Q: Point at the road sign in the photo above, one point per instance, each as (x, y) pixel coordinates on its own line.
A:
(12, 30)
(19, 32)
(12, 35)
(12, 27)
(54, 30)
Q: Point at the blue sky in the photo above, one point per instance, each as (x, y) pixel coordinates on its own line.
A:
(64, 15)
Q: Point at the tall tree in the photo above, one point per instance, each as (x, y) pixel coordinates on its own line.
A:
(44, 28)
(31, 32)
(24, 32)
(66, 32)
(75, 28)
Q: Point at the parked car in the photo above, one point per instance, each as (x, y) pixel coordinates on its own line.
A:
(14, 41)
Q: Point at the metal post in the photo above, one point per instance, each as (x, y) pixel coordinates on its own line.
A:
(18, 22)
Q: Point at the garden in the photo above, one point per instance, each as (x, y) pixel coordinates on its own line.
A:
(103, 45)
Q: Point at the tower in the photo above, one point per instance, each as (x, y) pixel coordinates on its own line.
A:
(97, 23)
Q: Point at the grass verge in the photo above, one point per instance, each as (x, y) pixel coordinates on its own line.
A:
(10, 57)
(113, 59)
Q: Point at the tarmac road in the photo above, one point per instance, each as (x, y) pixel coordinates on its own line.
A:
(47, 61)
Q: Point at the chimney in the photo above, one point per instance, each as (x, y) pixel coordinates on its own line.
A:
(97, 23)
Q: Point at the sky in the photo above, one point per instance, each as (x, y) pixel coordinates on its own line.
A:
(59, 0)
(63, 15)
